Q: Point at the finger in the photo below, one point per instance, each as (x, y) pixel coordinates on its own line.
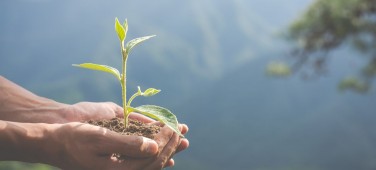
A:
(184, 144)
(163, 137)
(183, 128)
(167, 152)
(119, 111)
(170, 163)
(157, 123)
(107, 110)
(95, 111)
(128, 145)
(141, 118)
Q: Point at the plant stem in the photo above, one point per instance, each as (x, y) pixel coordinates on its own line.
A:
(124, 84)
(131, 99)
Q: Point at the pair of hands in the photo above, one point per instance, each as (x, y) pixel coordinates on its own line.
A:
(142, 152)
(69, 144)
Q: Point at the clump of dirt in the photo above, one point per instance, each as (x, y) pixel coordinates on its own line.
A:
(134, 128)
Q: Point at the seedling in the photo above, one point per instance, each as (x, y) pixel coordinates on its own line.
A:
(156, 112)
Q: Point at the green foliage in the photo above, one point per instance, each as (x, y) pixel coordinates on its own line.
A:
(156, 112)
(278, 69)
(149, 92)
(353, 83)
(121, 30)
(13, 165)
(329, 24)
(159, 113)
(136, 41)
(99, 67)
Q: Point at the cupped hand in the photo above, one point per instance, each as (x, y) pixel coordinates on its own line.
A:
(88, 143)
(184, 143)
(84, 111)
(83, 146)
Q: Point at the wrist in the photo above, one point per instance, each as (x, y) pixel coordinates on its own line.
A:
(52, 145)
(28, 142)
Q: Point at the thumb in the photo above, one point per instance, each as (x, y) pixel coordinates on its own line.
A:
(130, 145)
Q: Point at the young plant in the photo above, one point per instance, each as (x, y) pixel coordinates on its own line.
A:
(156, 112)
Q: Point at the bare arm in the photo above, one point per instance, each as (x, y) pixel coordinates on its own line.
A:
(82, 146)
(20, 105)
(27, 141)
(22, 142)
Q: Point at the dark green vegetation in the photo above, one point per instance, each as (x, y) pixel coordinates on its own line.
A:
(328, 25)
(212, 62)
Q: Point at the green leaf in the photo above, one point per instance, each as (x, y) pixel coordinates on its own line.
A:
(147, 93)
(136, 41)
(125, 25)
(99, 67)
(139, 90)
(120, 30)
(150, 92)
(159, 113)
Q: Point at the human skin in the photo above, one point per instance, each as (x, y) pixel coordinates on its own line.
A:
(20, 105)
(30, 117)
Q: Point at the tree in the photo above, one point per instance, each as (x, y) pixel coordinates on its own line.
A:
(328, 25)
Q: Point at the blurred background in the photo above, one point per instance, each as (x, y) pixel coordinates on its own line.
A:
(262, 84)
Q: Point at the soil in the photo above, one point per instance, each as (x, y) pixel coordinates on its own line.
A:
(134, 128)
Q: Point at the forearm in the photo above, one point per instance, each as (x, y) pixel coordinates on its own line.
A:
(20, 105)
(27, 142)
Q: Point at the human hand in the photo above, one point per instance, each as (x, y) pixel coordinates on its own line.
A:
(90, 147)
(184, 143)
(20, 105)
(108, 110)
(84, 111)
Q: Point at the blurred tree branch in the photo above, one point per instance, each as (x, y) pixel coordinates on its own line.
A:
(328, 24)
